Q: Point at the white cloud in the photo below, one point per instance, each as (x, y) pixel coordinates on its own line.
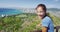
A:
(50, 6)
(56, 0)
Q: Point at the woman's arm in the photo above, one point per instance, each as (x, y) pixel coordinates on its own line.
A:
(44, 29)
(39, 25)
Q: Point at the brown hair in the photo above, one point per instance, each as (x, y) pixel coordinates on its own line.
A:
(42, 5)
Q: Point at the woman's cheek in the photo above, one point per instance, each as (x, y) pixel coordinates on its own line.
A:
(41, 13)
(38, 14)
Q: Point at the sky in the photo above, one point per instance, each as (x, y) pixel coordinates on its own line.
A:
(29, 3)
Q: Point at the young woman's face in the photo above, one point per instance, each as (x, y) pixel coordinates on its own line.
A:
(40, 12)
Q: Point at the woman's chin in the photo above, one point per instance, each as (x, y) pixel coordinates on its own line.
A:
(41, 17)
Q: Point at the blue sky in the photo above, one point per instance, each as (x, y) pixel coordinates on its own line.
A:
(29, 3)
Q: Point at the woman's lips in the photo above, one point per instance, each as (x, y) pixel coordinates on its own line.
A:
(40, 15)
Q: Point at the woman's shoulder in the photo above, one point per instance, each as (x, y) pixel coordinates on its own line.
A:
(47, 18)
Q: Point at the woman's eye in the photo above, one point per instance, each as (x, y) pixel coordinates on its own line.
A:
(40, 11)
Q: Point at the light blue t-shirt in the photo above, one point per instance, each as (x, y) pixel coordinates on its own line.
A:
(47, 22)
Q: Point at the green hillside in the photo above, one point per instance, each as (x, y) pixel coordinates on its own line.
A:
(25, 22)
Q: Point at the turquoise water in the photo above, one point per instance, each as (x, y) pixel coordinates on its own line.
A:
(9, 11)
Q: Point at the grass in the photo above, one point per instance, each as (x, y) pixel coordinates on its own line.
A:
(26, 23)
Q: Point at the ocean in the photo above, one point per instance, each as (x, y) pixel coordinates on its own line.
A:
(6, 12)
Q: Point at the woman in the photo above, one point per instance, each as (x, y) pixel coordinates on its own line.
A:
(47, 24)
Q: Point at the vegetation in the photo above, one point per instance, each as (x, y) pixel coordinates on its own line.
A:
(25, 22)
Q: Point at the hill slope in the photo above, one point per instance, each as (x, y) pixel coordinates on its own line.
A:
(25, 22)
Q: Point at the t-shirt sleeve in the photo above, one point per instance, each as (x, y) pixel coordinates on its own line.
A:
(45, 22)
